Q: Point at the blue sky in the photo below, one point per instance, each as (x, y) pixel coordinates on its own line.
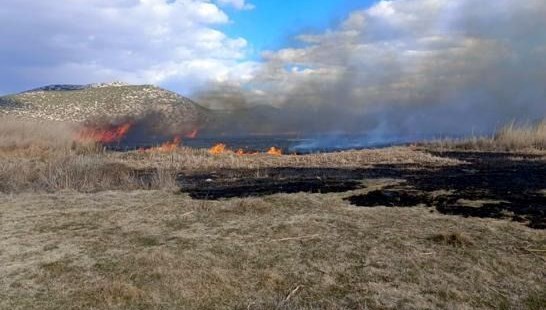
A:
(273, 24)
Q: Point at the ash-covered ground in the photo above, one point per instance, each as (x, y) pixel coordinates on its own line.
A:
(488, 185)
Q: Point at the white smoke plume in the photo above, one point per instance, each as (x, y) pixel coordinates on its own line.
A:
(406, 68)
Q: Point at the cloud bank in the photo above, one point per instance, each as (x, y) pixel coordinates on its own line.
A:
(408, 68)
(172, 43)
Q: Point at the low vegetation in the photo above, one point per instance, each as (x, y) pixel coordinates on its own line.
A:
(46, 156)
(509, 138)
(83, 228)
(158, 250)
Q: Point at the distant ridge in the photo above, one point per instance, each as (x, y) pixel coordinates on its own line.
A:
(104, 102)
(70, 87)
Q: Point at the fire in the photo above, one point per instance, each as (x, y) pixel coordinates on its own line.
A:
(108, 135)
(221, 148)
(167, 147)
(218, 149)
(241, 152)
(273, 151)
(192, 134)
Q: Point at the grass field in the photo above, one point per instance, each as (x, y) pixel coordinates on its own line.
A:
(159, 250)
(80, 229)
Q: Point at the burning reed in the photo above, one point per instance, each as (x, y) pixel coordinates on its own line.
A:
(221, 148)
(49, 156)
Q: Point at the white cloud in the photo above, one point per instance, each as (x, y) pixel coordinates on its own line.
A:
(146, 41)
(238, 4)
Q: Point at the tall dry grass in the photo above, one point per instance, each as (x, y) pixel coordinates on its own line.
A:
(515, 137)
(510, 138)
(20, 134)
(45, 156)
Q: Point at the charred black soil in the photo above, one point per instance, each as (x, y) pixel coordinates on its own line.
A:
(490, 185)
(487, 185)
(251, 182)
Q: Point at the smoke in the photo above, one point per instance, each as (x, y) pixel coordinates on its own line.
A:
(147, 128)
(403, 69)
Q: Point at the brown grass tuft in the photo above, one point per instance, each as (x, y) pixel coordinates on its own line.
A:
(456, 239)
(511, 137)
(19, 134)
(45, 156)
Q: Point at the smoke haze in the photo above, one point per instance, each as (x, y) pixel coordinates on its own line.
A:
(404, 69)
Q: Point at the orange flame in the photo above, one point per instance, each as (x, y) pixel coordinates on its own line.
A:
(109, 135)
(273, 151)
(218, 149)
(241, 152)
(221, 148)
(167, 147)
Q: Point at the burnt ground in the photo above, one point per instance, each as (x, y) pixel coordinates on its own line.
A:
(231, 183)
(489, 185)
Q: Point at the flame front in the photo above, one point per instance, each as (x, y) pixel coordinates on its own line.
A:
(167, 147)
(273, 151)
(108, 135)
(221, 148)
(241, 152)
(218, 149)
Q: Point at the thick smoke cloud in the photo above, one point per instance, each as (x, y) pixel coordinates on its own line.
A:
(405, 68)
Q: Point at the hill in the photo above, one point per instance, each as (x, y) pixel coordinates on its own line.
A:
(103, 102)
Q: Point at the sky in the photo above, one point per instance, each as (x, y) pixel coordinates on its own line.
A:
(272, 24)
(384, 67)
(166, 42)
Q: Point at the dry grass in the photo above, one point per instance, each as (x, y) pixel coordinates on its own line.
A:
(35, 136)
(156, 250)
(510, 138)
(53, 170)
(124, 248)
(44, 156)
(514, 137)
(191, 159)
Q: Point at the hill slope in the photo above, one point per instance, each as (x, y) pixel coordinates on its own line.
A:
(103, 102)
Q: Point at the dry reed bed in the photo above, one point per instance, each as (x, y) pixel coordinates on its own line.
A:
(44, 156)
(88, 171)
(511, 138)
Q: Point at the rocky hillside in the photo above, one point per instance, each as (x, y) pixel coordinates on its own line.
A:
(114, 101)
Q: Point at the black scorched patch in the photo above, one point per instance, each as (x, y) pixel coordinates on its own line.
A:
(230, 183)
(514, 185)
